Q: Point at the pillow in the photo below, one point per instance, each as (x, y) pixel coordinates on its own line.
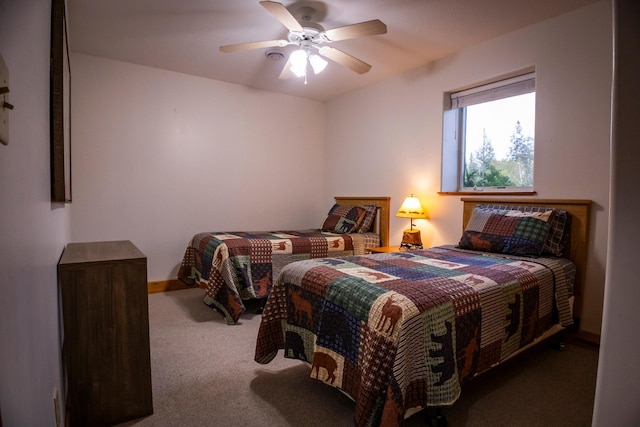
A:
(560, 229)
(344, 219)
(507, 231)
(369, 217)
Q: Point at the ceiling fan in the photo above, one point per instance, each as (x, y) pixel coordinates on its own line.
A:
(311, 37)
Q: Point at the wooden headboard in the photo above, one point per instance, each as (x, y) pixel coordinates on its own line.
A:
(381, 223)
(579, 212)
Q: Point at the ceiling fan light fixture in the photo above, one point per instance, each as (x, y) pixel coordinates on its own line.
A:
(298, 61)
(318, 64)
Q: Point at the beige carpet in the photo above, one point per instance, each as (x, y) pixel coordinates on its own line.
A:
(204, 374)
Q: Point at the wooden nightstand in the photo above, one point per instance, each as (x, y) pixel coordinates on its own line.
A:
(106, 348)
(385, 249)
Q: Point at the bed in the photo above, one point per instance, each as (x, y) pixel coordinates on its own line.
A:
(234, 267)
(399, 332)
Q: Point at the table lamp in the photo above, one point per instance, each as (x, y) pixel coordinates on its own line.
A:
(411, 208)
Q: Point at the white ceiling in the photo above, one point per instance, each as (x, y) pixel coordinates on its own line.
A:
(184, 35)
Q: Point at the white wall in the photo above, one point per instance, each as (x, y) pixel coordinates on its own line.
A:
(33, 231)
(159, 156)
(396, 128)
(618, 385)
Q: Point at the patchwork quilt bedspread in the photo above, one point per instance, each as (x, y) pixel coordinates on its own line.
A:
(236, 266)
(404, 330)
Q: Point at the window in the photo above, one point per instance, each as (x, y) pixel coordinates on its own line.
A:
(488, 137)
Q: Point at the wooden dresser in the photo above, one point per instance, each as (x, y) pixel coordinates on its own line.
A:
(103, 287)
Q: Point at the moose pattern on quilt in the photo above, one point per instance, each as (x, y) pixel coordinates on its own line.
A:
(404, 330)
(236, 266)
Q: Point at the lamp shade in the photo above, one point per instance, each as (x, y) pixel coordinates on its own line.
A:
(411, 208)
(298, 61)
(318, 64)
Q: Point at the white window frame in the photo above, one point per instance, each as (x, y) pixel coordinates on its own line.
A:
(453, 130)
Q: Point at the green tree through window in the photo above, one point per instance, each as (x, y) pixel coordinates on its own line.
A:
(521, 154)
(483, 169)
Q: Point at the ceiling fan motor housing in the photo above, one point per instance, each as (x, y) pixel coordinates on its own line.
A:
(309, 37)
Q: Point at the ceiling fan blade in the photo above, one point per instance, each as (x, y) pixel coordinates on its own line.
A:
(345, 59)
(367, 28)
(286, 71)
(253, 45)
(283, 15)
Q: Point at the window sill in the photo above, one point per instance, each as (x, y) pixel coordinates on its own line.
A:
(487, 193)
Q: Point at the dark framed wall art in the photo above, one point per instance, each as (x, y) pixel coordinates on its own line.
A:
(60, 105)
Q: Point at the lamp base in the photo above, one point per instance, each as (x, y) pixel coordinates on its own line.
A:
(411, 239)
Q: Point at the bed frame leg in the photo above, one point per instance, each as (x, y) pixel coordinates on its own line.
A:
(559, 342)
(559, 345)
(435, 418)
(260, 308)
